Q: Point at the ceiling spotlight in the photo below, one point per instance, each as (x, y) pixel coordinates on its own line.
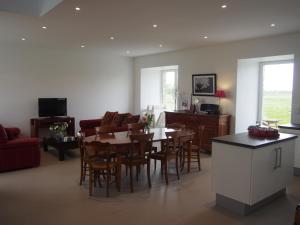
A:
(44, 27)
(23, 39)
(224, 6)
(205, 37)
(160, 45)
(272, 25)
(112, 38)
(82, 46)
(155, 25)
(77, 8)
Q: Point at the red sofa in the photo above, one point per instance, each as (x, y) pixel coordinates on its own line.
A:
(119, 120)
(16, 151)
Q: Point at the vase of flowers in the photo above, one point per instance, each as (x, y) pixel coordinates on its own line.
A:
(59, 130)
(148, 120)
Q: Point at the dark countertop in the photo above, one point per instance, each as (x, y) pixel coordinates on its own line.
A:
(244, 140)
(292, 126)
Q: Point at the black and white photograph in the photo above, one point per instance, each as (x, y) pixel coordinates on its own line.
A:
(204, 84)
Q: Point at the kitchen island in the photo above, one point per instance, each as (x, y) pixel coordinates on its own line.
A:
(250, 172)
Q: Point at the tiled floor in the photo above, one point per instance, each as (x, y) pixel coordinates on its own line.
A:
(50, 194)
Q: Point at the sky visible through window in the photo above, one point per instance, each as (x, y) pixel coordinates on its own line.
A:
(277, 92)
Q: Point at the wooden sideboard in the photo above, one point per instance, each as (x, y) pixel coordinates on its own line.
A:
(215, 125)
(37, 123)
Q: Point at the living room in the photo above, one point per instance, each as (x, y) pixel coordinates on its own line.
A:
(94, 56)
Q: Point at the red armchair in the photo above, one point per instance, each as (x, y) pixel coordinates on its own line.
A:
(118, 120)
(16, 151)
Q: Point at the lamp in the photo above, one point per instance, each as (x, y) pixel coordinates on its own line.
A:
(220, 94)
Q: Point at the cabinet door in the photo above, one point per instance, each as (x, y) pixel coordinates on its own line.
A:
(267, 177)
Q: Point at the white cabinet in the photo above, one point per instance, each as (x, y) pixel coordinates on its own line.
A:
(247, 171)
(272, 170)
(297, 146)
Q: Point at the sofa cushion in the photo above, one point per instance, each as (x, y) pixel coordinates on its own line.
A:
(119, 118)
(108, 118)
(3, 135)
(12, 133)
(22, 142)
(90, 124)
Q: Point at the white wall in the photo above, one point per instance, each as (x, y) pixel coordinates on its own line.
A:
(92, 82)
(222, 59)
(150, 87)
(247, 91)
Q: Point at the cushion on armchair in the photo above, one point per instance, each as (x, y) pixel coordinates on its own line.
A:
(12, 133)
(3, 135)
(108, 118)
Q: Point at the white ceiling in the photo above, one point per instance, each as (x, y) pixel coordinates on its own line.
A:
(181, 24)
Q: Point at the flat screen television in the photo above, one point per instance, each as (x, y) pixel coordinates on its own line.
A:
(51, 107)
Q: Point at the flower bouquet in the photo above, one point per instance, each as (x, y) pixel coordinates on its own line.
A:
(147, 120)
(59, 130)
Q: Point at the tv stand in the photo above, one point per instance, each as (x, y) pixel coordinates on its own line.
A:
(37, 123)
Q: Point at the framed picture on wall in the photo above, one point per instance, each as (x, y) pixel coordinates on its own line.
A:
(204, 84)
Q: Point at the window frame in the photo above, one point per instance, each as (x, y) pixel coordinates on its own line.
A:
(260, 84)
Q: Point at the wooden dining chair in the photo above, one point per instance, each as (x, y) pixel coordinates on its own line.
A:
(99, 159)
(136, 127)
(140, 148)
(170, 151)
(176, 126)
(192, 152)
(83, 161)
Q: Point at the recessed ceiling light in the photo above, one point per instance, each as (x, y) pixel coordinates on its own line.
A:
(112, 38)
(127, 52)
(205, 37)
(160, 45)
(23, 39)
(272, 25)
(155, 25)
(82, 46)
(77, 8)
(44, 27)
(224, 6)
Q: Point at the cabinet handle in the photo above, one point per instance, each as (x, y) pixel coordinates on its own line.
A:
(280, 157)
(276, 159)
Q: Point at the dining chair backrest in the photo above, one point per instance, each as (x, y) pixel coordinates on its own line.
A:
(95, 150)
(176, 126)
(136, 126)
(185, 137)
(105, 129)
(141, 144)
(80, 140)
(172, 141)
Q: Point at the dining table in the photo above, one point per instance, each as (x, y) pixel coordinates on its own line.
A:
(121, 140)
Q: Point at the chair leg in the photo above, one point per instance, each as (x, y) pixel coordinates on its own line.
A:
(166, 171)
(118, 177)
(148, 173)
(177, 169)
(107, 182)
(81, 173)
(131, 180)
(90, 181)
(199, 162)
(161, 167)
(183, 160)
(137, 172)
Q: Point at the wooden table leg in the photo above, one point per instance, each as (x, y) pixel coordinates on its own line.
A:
(189, 156)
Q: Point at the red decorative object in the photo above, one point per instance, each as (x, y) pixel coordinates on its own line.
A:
(263, 132)
(18, 152)
(220, 94)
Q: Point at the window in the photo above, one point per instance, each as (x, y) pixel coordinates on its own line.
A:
(276, 85)
(159, 87)
(169, 84)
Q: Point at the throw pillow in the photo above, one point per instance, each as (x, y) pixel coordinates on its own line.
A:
(131, 119)
(3, 135)
(118, 119)
(108, 118)
(12, 133)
